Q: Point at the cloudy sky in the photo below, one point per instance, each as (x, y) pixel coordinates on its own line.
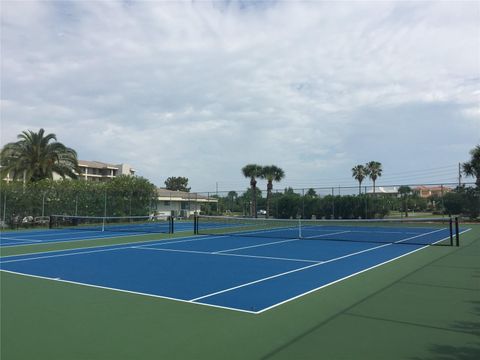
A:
(200, 88)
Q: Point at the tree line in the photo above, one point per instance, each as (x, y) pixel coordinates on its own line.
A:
(122, 196)
(271, 173)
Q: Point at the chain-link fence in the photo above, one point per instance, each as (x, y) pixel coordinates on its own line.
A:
(32, 203)
(342, 202)
(40, 200)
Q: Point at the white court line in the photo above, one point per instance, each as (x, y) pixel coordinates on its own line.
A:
(18, 239)
(110, 235)
(336, 233)
(269, 257)
(223, 254)
(386, 232)
(125, 245)
(304, 268)
(275, 242)
(251, 232)
(254, 246)
(171, 250)
(61, 255)
(51, 232)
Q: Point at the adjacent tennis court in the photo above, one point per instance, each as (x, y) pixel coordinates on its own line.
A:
(74, 230)
(242, 267)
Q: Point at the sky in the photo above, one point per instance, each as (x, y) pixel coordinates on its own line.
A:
(202, 88)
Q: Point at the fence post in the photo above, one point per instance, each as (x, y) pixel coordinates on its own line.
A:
(333, 203)
(457, 232)
(303, 203)
(4, 207)
(451, 230)
(76, 204)
(105, 204)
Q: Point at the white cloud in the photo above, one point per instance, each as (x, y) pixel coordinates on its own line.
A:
(200, 89)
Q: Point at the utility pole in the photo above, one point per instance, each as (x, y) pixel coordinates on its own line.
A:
(459, 174)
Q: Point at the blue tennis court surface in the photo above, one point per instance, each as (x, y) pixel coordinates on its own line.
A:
(251, 274)
(29, 237)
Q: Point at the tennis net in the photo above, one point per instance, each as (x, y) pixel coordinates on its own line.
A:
(430, 231)
(148, 224)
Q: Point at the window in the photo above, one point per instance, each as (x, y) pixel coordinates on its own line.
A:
(166, 203)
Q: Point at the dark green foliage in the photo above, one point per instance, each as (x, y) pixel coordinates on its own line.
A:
(463, 201)
(292, 205)
(472, 167)
(289, 206)
(311, 192)
(123, 196)
(178, 183)
(404, 192)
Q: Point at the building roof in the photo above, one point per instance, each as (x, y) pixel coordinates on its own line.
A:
(170, 195)
(432, 188)
(96, 164)
(384, 190)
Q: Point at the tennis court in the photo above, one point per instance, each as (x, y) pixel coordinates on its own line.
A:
(245, 270)
(86, 232)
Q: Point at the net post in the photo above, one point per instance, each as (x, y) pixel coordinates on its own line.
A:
(457, 232)
(450, 222)
(171, 225)
(299, 228)
(195, 224)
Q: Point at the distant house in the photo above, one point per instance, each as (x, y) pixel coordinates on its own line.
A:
(180, 203)
(427, 191)
(391, 190)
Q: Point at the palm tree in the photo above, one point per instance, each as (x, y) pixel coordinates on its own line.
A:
(404, 191)
(252, 171)
(472, 167)
(232, 200)
(271, 173)
(359, 173)
(34, 157)
(374, 171)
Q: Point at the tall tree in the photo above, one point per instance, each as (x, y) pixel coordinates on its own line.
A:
(252, 171)
(271, 173)
(374, 171)
(472, 167)
(311, 192)
(177, 184)
(231, 198)
(359, 173)
(404, 192)
(36, 156)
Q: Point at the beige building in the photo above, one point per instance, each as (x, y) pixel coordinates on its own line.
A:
(96, 171)
(100, 171)
(180, 203)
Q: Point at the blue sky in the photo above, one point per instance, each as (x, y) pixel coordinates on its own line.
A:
(200, 89)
